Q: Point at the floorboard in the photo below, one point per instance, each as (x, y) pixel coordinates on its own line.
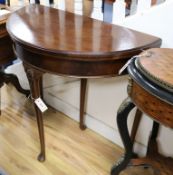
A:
(70, 151)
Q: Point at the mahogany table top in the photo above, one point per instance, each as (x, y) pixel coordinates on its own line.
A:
(64, 35)
(62, 32)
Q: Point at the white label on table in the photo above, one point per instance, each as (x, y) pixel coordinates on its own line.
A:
(40, 104)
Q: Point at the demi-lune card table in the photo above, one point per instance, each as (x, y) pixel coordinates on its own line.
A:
(62, 43)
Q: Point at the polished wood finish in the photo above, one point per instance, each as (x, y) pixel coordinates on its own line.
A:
(86, 46)
(162, 59)
(151, 91)
(54, 48)
(156, 108)
(89, 59)
(160, 111)
(71, 45)
(35, 79)
(70, 151)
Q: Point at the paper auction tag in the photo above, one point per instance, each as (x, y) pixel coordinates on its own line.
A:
(40, 104)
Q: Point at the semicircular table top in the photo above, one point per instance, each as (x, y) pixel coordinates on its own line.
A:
(73, 37)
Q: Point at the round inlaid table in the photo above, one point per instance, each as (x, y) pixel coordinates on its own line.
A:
(151, 90)
(62, 43)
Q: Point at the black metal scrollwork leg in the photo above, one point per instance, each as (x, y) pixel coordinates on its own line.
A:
(122, 116)
(11, 78)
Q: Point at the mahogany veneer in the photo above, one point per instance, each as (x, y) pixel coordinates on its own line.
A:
(59, 42)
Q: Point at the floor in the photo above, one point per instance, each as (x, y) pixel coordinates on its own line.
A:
(70, 151)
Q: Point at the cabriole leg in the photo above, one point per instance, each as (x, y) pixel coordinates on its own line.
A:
(35, 78)
(122, 116)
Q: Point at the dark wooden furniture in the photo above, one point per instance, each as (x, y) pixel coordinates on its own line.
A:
(150, 89)
(7, 55)
(78, 52)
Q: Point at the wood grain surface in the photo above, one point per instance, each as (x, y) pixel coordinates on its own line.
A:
(158, 66)
(70, 151)
(79, 37)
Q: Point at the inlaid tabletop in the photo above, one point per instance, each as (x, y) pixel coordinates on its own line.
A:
(158, 66)
(59, 32)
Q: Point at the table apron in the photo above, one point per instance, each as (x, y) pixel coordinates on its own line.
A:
(69, 67)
